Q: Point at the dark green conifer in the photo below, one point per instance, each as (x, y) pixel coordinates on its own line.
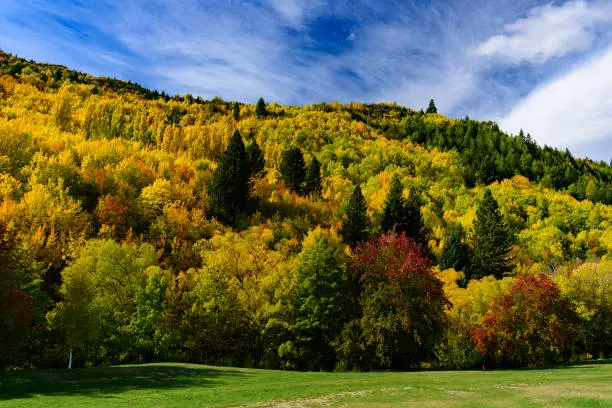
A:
(355, 227)
(394, 215)
(293, 169)
(236, 111)
(432, 107)
(414, 227)
(257, 162)
(313, 184)
(455, 253)
(229, 190)
(492, 240)
(260, 110)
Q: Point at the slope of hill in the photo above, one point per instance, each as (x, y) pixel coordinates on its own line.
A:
(108, 197)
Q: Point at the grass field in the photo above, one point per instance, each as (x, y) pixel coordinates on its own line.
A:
(185, 385)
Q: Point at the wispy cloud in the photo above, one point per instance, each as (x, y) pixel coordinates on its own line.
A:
(548, 31)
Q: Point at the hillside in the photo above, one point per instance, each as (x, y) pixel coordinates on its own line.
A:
(135, 228)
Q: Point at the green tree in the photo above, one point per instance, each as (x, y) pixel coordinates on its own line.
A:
(293, 169)
(319, 303)
(492, 240)
(394, 214)
(455, 255)
(313, 178)
(229, 190)
(260, 110)
(355, 227)
(236, 111)
(432, 107)
(257, 162)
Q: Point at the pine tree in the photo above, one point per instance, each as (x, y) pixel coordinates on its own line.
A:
(432, 107)
(257, 162)
(229, 190)
(313, 178)
(414, 227)
(261, 110)
(455, 253)
(355, 228)
(236, 111)
(492, 240)
(293, 169)
(394, 215)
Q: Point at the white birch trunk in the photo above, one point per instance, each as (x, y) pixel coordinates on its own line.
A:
(70, 359)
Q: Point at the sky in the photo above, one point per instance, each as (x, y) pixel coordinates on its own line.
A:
(541, 66)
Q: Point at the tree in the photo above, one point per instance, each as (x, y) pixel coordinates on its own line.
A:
(432, 107)
(533, 325)
(319, 302)
(455, 253)
(492, 240)
(394, 214)
(413, 224)
(293, 169)
(236, 111)
(355, 227)
(402, 304)
(257, 162)
(260, 110)
(313, 185)
(229, 190)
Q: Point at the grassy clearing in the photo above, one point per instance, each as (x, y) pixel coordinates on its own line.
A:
(187, 385)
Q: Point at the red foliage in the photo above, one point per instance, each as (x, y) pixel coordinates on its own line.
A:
(531, 325)
(111, 211)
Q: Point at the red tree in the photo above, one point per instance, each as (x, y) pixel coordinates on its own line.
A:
(532, 325)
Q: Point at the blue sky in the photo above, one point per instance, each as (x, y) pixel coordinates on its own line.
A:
(542, 66)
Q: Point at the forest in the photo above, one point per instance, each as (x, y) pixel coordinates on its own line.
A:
(140, 227)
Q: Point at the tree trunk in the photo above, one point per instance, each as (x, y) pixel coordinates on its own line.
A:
(70, 358)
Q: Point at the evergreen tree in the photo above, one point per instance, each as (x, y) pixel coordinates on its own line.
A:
(313, 178)
(261, 110)
(432, 107)
(456, 255)
(492, 240)
(236, 111)
(293, 169)
(229, 189)
(413, 224)
(257, 162)
(355, 227)
(394, 215)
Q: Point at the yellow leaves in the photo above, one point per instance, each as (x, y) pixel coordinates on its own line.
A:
(9, 187)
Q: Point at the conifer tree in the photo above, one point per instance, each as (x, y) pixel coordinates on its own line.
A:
(261, 110)
(293, 169)
(313, 178)
(229, 190)
(455, 253)
(257, 162)
(236, 111)
(492, 240)
(414, 227)
(432, 107)
(394, 215)
(355, 227)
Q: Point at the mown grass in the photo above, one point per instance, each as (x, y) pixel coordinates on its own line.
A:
(187, 385)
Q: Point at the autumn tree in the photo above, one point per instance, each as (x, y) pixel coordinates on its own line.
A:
(293, 169)
(533, 325)
(492, 240)
(402, 305)
(313, 185)
(229, 190)
(356, 225)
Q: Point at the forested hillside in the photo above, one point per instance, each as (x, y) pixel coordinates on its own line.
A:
(140, 227)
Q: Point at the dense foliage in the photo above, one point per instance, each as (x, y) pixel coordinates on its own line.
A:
(137, 227)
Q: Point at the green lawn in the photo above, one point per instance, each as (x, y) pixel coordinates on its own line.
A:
(186, 385)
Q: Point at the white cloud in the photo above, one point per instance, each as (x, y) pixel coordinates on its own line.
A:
(570, 111)
(549, 31)
(293, 12)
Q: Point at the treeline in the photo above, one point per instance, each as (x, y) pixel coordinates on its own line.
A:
(311, 237)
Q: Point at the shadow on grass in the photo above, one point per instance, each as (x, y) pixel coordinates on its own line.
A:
(104, 382)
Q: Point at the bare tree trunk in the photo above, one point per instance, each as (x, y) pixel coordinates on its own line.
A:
(70, 359)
